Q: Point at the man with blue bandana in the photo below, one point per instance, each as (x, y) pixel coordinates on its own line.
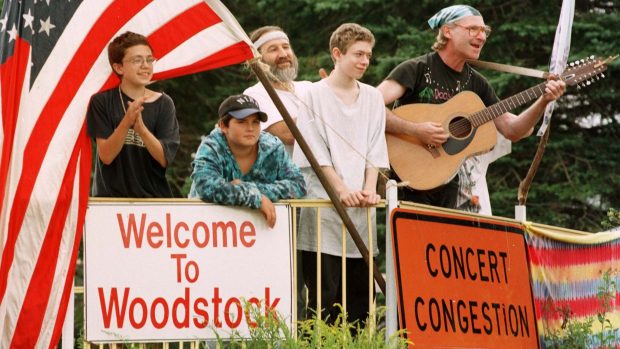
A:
(437, 76)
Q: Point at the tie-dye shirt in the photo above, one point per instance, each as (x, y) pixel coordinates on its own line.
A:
(273, 174)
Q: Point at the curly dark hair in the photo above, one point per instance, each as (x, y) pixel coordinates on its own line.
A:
(120, 44)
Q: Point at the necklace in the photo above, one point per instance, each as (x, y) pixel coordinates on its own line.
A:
(132, 137)
(120, 95)
(460, 87)
(444, 85)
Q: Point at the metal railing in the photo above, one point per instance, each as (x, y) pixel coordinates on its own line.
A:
(390, 316)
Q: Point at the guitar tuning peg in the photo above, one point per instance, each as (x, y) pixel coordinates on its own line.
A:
(582, 61)
(578, 87)
(592, 57)
(572, 64)
(588, 82)
(603, 75)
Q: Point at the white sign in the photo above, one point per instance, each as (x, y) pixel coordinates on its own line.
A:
(182, 271)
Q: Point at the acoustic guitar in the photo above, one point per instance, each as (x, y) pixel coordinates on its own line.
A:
(468, 123)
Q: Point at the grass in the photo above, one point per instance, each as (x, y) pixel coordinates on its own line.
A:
(272, 332)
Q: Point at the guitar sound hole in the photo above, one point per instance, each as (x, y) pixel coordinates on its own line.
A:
(460, 127)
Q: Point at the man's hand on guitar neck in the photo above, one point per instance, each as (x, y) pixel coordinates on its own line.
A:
(516, 127)
(554, 89)
(430, 133)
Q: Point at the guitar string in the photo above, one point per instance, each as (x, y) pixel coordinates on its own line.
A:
(461, 125)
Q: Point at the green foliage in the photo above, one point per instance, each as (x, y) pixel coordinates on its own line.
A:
(612, 220)
(271, 332)
(606, 294)
(578, 334)
(578, 179)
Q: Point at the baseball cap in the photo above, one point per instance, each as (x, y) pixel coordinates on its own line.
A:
(240, 107)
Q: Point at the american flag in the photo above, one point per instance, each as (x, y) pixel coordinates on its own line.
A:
(53, 58)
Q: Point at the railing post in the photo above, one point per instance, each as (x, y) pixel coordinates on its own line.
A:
(520, 213)
(391, 314)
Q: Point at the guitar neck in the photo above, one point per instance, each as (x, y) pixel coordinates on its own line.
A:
(506, 105)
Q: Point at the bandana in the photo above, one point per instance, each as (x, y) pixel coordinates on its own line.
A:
(272, 35)
(451, 14)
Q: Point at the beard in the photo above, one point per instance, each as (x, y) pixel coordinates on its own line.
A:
(285, 74)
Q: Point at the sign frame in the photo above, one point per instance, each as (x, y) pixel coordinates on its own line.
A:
(450, 228)
(279, 259)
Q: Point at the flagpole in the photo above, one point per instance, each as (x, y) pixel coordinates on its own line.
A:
(559, 56)
(331, 192)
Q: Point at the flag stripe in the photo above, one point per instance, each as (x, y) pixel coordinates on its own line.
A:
(53, 111)
(13, 72)
(84, 188)
(168, 39)
(228, 56)
(35, 151)
(37, 296)
(182, 27)
(46, 193)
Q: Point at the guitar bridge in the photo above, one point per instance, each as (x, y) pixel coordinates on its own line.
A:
(433, 150)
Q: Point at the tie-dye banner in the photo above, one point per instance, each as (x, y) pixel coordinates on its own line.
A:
(573, 274)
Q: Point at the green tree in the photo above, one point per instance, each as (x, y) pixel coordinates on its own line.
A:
(578, 178)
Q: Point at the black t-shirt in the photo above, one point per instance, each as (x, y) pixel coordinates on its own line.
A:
(134, 173)
(427, 79)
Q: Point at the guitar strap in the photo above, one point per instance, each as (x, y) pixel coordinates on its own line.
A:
(509, 69)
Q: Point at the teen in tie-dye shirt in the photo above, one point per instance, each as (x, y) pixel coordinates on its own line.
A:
(239, 165)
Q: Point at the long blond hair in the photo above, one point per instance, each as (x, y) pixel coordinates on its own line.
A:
(441, 40)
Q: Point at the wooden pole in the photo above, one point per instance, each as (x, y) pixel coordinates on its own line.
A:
(331, 192)
(526, 183)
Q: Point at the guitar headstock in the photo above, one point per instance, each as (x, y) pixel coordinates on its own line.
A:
(585, 71)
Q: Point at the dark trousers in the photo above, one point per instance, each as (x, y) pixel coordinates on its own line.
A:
(300, 288)
(331, 286)
(443, 196)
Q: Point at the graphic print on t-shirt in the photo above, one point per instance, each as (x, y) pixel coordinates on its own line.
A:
(439, 92)
(132, 138)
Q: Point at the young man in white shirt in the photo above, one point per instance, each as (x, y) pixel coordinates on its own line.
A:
(344, 125)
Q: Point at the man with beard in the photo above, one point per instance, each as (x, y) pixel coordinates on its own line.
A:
(276, 51)
(274, 46)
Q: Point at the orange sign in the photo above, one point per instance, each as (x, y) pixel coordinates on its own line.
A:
(462, 282)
